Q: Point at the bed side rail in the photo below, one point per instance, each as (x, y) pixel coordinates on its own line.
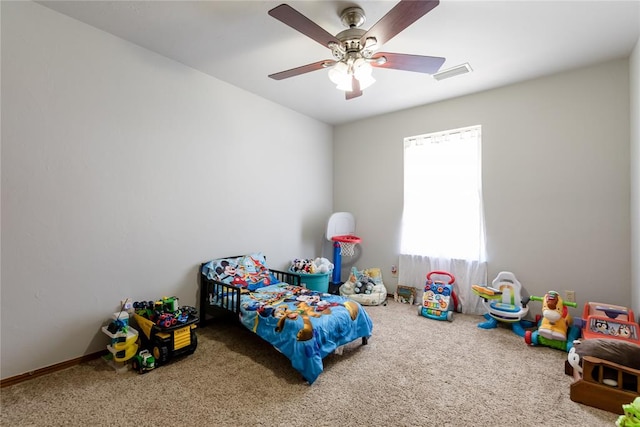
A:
(217, 297)
(286, 277)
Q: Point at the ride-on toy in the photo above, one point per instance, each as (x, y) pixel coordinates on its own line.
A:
(438, 297)
(600, 320)
(504, 303)
(555, 328)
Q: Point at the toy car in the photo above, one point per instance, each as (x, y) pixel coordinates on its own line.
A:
(143, 362)
(601, 320)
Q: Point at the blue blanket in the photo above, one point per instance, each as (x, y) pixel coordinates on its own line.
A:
(303, 325)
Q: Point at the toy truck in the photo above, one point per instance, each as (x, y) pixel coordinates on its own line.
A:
(143, 362)
(165, 343)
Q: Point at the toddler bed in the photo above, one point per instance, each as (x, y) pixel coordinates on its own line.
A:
(302, 324)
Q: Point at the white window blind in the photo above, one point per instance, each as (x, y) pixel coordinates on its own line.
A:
(443, 215)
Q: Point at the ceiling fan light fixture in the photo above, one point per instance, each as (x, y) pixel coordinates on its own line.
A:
(453, 71)
(362, 71)
(339, 73)
(366, 81)
(345, 85)
(342, 74)
(361, 68)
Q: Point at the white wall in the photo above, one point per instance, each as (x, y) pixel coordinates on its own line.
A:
(122, 171)
(555, 178)
(634, 72)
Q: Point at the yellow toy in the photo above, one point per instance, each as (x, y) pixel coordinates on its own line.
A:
(555, 327)
(555, 317)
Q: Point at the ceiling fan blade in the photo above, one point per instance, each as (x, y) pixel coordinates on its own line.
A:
(406, 62)
(301, 23)
(302, 69)
(355, 90)
(403, 14)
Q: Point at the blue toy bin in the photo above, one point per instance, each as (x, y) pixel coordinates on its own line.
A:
(316, 282)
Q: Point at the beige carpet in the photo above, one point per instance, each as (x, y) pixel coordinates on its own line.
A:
(414, 372)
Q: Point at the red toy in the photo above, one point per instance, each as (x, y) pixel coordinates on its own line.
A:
(439, 299)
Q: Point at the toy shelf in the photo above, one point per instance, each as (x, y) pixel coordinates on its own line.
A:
(592, 389)
(123, 347)
(120, 339)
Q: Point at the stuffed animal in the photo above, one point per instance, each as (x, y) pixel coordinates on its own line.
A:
(303, 266)
(556, 317)
(364, 286)
(323, 265)
(631, 417)
(311, 266)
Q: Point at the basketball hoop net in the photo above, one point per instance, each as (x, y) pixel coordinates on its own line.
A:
(347, 244)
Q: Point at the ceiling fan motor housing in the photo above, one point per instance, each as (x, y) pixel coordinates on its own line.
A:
(350, 42)
(352, 17)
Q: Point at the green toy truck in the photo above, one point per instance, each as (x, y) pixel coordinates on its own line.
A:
(143, 362)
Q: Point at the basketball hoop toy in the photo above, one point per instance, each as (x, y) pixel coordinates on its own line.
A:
(341, 229)
(342, 245)
(347, 244)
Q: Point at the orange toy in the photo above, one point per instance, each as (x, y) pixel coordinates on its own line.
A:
(608, 321)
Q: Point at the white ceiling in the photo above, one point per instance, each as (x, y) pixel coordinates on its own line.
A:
(238, 42)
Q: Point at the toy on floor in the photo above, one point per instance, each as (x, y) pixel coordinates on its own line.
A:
(606, 373)
(143, 362)
(504, 303)
(555, 327)
(601, 320)
(631, 417)
(365, 286)
(124, 338)
(439, 299)
(167, 330)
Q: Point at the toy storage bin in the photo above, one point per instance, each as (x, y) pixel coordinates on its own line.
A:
(121, 316)
(316, 282)
(120, 339)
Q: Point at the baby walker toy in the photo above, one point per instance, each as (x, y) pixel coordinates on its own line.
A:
(555, 328)
(437, 298)
(341, 229)
(504, 304)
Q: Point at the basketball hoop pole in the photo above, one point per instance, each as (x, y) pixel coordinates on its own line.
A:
(337, 262)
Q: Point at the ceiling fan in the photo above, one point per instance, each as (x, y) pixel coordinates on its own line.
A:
(354, 50)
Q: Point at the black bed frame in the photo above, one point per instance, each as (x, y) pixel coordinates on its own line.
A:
(231, 304)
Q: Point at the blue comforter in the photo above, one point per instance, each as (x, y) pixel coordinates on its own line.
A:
(302, 324)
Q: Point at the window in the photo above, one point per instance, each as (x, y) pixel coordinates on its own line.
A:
(442, 214)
